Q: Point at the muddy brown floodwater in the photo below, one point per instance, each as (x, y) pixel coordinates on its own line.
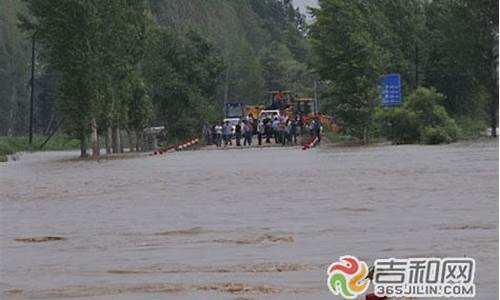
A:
(240, 224)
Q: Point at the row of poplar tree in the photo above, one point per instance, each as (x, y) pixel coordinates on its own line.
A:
(115, 63)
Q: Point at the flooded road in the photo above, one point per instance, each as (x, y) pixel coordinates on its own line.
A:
(241, 224)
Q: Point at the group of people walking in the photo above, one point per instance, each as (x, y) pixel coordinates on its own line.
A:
(275, 129)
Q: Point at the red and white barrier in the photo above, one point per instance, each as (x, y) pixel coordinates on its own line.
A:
(187, 145)
(177, 147)
(311, 143)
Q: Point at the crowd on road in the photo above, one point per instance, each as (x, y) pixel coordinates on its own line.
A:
(267, 130)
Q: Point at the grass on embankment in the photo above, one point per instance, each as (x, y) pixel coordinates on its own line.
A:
(11, 145)
(340, 139)
(469, 130)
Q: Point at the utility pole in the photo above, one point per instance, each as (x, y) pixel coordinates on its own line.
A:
(32, 90)
(226, 87)
(416, 66)
(316, 104)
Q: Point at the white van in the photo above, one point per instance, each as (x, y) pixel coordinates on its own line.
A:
(270, 113)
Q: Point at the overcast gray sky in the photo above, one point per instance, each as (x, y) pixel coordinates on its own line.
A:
(302, 4)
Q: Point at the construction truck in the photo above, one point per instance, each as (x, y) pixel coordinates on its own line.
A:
(286, 107)
(254, 110)
(306, 106)
(289, 106)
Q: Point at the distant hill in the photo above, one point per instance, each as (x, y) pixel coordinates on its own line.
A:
(261, 41)
(14, 70)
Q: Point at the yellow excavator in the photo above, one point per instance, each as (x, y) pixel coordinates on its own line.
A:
(305, 107)
(254, 110)
(290, 107)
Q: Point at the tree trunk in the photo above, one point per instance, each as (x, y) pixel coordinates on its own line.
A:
(493, 120)
(94, 139)
(83, 146)
(10, 128)
(494, 111)
(139, 141)
(49, 125)
(120, 141)
(130, 141)
(108, 138)
(115, 144)
(226, 87)
(365, 135)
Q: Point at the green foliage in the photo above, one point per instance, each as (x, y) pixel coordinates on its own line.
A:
(338, 138)
(14, 70)
(427, 105)
(463, 56)
(109, 61)
(96, 47)
(421, 119)
(6, 149)
(282, 71)
(11, 145)
(248, 79)
(452, 45)
(398, 125)
(438, 135)
(121, 44)
(471, 127)
(253, 36)
(402, 32)
(181, 72)
(347, 54)
(140, 105)
(69, 40)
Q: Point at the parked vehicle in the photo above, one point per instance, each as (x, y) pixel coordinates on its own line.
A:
(270, 114)
(234, 110)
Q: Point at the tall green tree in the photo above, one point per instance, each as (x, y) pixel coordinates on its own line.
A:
(15, 56)
(182, 73)
(282, 71)
(463, 61)
(67, 29)
(248, 80)
(96, 46)
(122, 46)
(242, 30)
(348, 56)
(402, 32)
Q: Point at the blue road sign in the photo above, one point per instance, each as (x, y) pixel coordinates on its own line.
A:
(391, 90)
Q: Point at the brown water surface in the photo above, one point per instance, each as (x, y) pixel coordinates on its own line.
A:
(249, 224)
